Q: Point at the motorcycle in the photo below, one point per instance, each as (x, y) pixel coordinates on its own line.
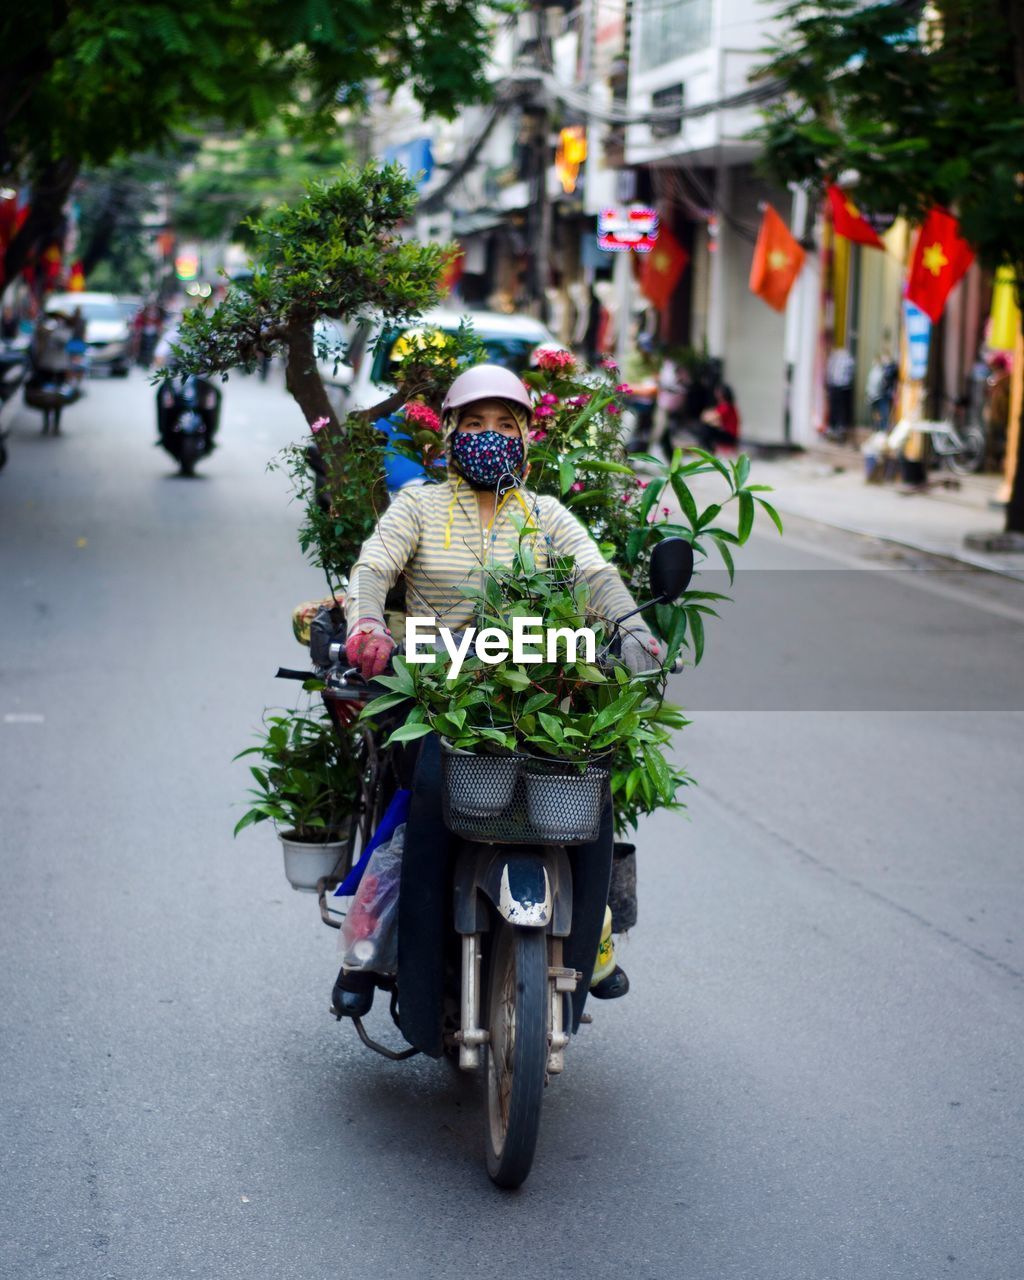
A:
(502, 903)
(188, 411)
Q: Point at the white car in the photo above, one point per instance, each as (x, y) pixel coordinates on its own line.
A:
(107, 334)
(510, 341)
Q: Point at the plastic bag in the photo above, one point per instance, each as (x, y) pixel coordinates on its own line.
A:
(369, 932)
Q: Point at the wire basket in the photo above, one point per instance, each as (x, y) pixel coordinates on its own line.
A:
(520, 799)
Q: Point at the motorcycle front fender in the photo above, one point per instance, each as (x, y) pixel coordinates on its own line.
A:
(527, 886)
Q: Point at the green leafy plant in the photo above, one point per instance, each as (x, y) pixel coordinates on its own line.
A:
(568, 709)
(337, 519)
(307, 779)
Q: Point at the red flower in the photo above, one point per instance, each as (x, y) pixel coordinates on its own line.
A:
(421, 415)
(543, 411)
(553, 361)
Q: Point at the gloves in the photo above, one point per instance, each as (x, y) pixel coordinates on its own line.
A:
(369, 647)
(640, 651)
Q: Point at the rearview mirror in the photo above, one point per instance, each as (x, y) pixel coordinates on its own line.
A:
(671, 569)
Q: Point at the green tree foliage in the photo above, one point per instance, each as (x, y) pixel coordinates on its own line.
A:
(926, 111)
(116, 207)
(81, 83)
(235, 178)
(923, 103)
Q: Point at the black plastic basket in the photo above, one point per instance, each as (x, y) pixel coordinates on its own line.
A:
(520, 799)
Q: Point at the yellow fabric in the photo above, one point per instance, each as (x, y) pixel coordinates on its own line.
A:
(1005, 315)
(434, 534)
(605, 962)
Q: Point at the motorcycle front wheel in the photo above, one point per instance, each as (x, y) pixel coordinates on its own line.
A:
(517, 1051)
(191, 450)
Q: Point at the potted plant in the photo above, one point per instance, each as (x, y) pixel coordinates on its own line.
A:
(567, 717)
(307, 784)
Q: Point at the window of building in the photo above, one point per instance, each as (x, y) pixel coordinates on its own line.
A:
(670, 29)
(670, 99)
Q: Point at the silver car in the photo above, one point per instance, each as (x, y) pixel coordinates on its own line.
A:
(107, 332)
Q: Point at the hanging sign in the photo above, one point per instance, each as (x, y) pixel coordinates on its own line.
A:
(621, 230)
(919, 332)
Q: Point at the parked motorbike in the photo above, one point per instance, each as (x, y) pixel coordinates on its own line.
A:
(502, 901)
(188, 412)
(13, 372)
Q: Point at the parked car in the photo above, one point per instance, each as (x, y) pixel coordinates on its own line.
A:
(332, 338)
(107, 331)
(510, 341)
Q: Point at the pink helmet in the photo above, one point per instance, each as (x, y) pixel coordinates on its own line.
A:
(486, 382)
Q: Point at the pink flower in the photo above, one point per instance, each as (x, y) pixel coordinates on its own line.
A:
(613, 408)
(553, 361)
(548, 398)
(577, 486)
(538, 435)
(421, 415)
(609, 363)
(624, 388)
(543, 411)
(642, 484)
(577, 402)
(665, 511)
(319, 424)
(626, 497)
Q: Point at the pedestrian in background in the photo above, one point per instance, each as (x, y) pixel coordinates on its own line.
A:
(720, 425)
(839, 381)
(880, 389)
(673, 385)
(641, 375)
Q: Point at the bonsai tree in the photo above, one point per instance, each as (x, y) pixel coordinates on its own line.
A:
(335, 254)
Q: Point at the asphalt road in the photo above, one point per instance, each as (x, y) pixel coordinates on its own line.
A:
(817, 1074)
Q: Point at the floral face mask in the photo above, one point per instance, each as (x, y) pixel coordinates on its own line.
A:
(484, 457)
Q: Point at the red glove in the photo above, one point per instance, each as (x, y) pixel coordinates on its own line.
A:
(369, 647)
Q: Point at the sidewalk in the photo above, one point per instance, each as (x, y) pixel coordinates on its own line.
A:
(827, 486)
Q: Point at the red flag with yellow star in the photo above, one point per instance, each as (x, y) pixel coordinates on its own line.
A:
(941, 256)
(778, 260)
(662, 268)
(848, 220)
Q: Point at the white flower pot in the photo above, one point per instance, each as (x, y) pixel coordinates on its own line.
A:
(307, 861)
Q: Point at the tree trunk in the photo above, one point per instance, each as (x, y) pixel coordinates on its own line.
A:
(49, 194)
(302, 377)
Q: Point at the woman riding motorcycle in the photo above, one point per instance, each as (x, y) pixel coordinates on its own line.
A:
(439, 535)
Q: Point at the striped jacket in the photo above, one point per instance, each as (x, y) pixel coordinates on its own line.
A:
(433, 533)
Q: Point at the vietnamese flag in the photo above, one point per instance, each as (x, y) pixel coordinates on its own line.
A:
(778, 260)
(451, 272)
(940, 258)
(848, 220)
(662, 268)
